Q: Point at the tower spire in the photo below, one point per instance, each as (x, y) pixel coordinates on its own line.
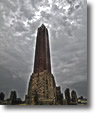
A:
(42, 53)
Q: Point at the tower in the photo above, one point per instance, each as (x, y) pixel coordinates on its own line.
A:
(42, 89)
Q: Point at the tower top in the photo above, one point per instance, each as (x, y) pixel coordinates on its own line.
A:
(42, 26)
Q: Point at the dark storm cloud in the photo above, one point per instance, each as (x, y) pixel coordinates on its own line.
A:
(66, 21)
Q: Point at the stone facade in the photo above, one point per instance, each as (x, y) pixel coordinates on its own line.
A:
(42, 87)
(42, 90)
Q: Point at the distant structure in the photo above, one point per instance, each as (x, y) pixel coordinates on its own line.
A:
(42, 87)
(12, 100)
(67, 96)
(74, 97)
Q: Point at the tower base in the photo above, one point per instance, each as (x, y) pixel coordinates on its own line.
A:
(43, 91)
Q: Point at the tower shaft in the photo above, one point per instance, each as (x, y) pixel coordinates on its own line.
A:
(42, 52)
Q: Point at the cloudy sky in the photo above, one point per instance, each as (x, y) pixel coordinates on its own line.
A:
(66, 21)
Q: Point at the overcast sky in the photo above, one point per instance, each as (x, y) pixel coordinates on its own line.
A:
(66, 21)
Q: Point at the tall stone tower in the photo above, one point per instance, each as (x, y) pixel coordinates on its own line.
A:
(42, 89)
(42, 53)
